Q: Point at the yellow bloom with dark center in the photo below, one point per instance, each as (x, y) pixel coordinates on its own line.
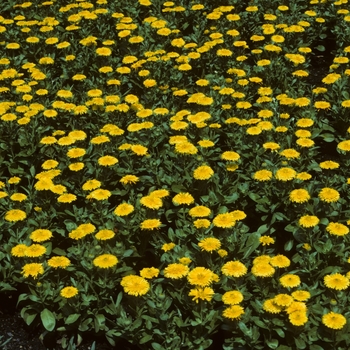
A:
(280, 261)
(149, 272)
(290, 281)
(203, 172)
(298, 318)
(334, 320)
(209, 244)
(271, 307)
(59, 262)
(266, 240)
(200, 276)
(107, 161)
(183, 198)
(67, 198)
(232, 297)
(234, 269)
(69, 292)
(305, 142)
(99, 194)
(296, 306)
(283, 300)
(33, 270)
(302, 102)
(14, 215)
(262, 175)
(309, 221)
(105, 261)
(176, 271)
(150, 224)
(205, 293)
(262, 270)
(40, 235)
(285, 174)
(123, 209)
(19, 250)
(329, 195)
(299, 196)
(233, 312)
(338, 229)
(103, 235)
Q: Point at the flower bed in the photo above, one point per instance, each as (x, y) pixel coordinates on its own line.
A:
(169, 169)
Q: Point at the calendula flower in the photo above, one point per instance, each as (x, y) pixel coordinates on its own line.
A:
(200, 276)
(266, 240)
(262, 270)
(123, 209)
(14, 215)
(233, 312)
(149, 272)
(19, 250)
(299, 196)
(301, 295)
(234, 269)
(105, 261)
(285, 174)
(183, 198)
(33, 270)
(107, 161)
(290, 281)
(329, 195)
(205, 293)
(69, 292)
(59, 262)
(338, 229)
(40, 235)
(150, 224)
(271, 307)
(262, 175)
(232, 297)
(225, 220)
(135, 285)
(298, 318)
(309, 221)
(334, 320)
(209, 244)
(283, 300)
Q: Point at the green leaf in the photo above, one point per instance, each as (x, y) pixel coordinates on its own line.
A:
(300, 344)
(272, 343)
(289, 245)
(252, 243)
(316, 347)
(156, 346)
(71, 318)
(145, 339)
(320, 48)
(262, 229)
(48, 319)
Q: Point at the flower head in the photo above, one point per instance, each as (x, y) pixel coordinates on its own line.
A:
(336, 281)
(209, 244)
(334, 320)
(105, 261)
(234, 269)
(205, 293)
(69, 292)
(135, 285)
(33, 269)
(200, 276)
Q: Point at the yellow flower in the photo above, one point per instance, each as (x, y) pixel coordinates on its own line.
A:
(290, 281)
(66, 198)
(201, 223)
(18, 197)
(99, 194)
(266, 240)
(338, 229)
(69, 292)
(40, 235)
(176, 271)
(232, 297)
(234, 269)
(185, 148)
(298, 318)
(271, 307)
(285, 174)
(150, 224)
(19, 251)
(105, 261)
(76, 166)
(205, 293)
(107, 161)
(230, 155)
(135, 285)
(329, 195)
(149, 272)
(203, 172)
(33, 269)
(183, 198)
(129, 179)
(209, 244)
(334, 320)
(103, 235)
(14, 215)
(59, 262)
(151, 202)
(263, 175)
(233, 312)
(199, 211)
(299, 196)
(344, 145)
(309, 221)
(225, 220)
(301, 295)
(91, 185)
(283, 300)
(104, 51)
(262, 270)
(280, 261)
(76, 152)
(139, 150)
(123, 209)
(200, 276)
